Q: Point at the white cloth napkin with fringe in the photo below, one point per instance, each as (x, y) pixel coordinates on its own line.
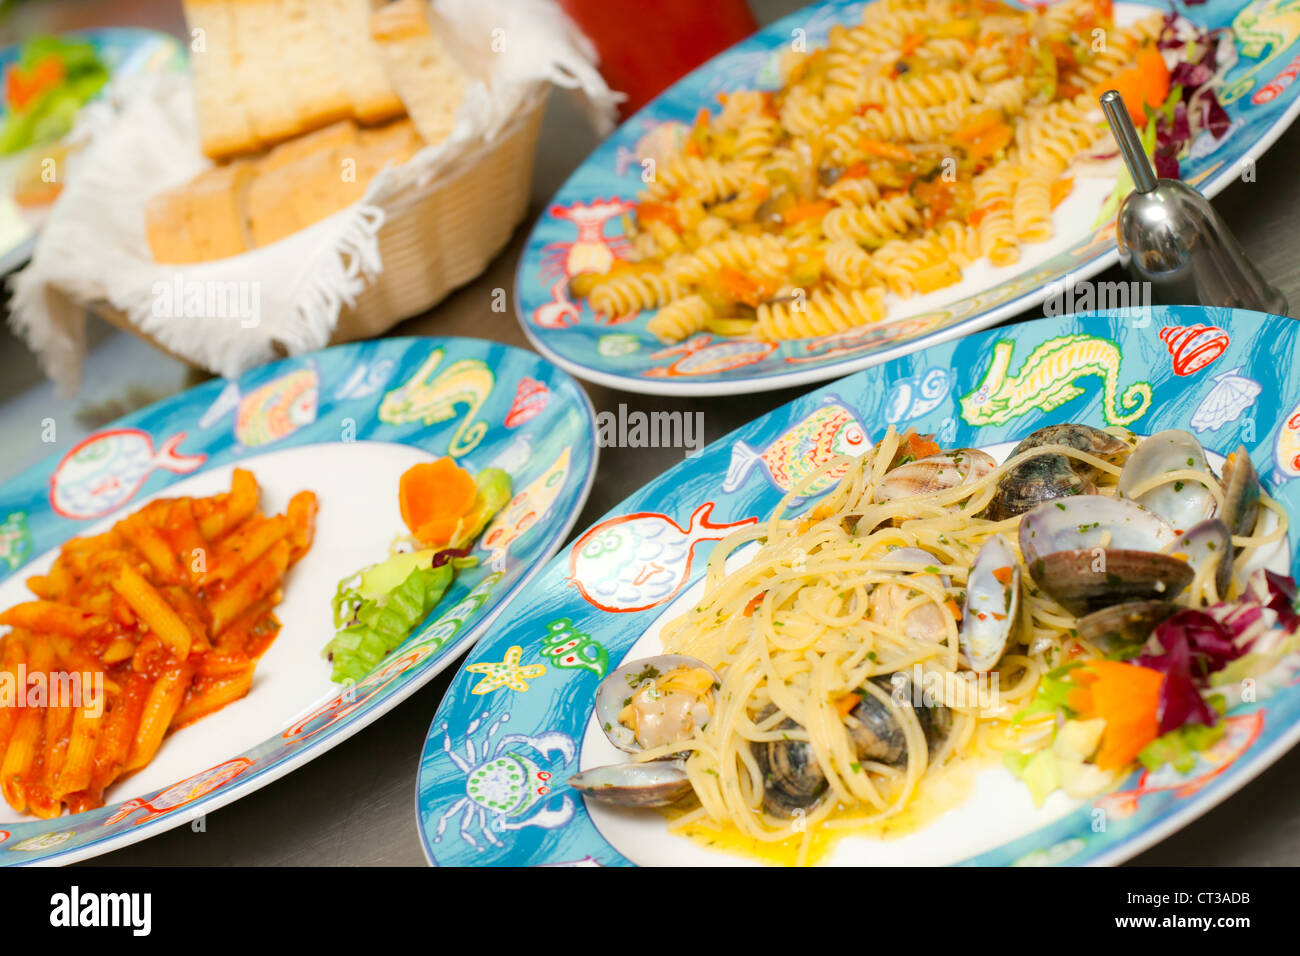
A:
(141, 138)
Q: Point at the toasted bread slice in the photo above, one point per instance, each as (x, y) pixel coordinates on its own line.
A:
(315, 72)
(428, 78)
(216, 211)
(261, 79)
(225, 128)
(167, 228)
(370, 92)
(342, 133)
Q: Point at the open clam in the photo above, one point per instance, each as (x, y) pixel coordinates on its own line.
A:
(1129, 623)
(648, 703)
(1207, 544)
(1050, 476)
(992, 604)
(1091, 552)
(1156, 477)
(658, 783)
(933, 474)
(645, 705)
(1241, 493)
(924, 623)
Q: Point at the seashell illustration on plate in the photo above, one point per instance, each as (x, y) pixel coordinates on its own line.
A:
(1194, 346)
(1231, 395)
(531, 397)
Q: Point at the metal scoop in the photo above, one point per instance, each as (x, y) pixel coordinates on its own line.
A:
(1170, 236)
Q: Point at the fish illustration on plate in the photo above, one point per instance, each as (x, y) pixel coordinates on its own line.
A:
(1231, 395)
(531, 397)
(833, 429)
(15, 540)
(913, 397)
(638, 561)
(525, 509)
(1286, 451)
(106, 470)
(270, 412)
(366, 379)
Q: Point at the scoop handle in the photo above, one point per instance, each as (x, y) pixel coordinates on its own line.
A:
(1130, 145)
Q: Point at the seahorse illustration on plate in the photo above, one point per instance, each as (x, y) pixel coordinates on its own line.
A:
(507, 783)
(833, 429)
(1046, 381)
(1261, 31)
(106, 470)
(639, 561)
(181, 794)
(270, 412)
(466, 382)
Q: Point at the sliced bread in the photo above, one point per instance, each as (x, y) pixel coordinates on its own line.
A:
(225, 128)
(427, 76)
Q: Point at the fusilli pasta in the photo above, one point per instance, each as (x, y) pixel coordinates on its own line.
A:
(932, 134)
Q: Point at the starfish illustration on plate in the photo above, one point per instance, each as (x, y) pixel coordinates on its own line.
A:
(506, 673)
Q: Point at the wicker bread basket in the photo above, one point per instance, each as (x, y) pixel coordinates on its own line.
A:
(437, 237)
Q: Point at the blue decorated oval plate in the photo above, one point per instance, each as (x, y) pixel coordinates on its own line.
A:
(345, 423)
(584, 228)
(517, 721)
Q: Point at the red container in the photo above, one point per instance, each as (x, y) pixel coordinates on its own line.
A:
(647, 45)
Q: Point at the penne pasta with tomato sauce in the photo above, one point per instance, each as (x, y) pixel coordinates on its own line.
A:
(135, 633)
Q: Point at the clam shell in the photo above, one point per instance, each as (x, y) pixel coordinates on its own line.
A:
(793, 780)
(992, 607)
(1126, 623)
(619, 685)
(1241, 491)
(917, 557)
(1083, 581)
(936, 473)
(1083, 522)
(1051, 476)
(1205, 542)
(658, 783)
(1181, 503)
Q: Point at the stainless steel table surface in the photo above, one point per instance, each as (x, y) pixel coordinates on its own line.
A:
(355, 805)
